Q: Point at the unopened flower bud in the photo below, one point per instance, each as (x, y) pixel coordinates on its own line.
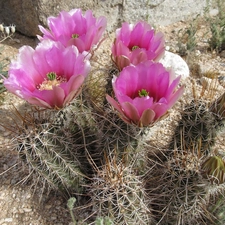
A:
(1, 27)
(7, 30)
(13, 28)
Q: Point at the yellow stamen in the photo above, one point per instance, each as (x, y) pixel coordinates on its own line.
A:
(51, 81)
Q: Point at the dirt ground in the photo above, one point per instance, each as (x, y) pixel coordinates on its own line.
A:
(20, 202)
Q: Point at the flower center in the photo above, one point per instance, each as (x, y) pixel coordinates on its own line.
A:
(134, 47)
(75, 36)
(51, 81)
(143, 93)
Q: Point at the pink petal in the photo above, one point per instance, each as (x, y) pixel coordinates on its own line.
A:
(131, 112)
(142, 104)
(147, 39)
(126, 82)
(73, 84)
(79, 21)
(138, 55)
(172, 87)
(147, 117)
(78, 42)
(122, 61)
(47, 33)
(54, 98)
(176, 96)
(114, 104)
(123, 33)
(61, 24)
(136, 35)
(160, 109)
(38, 102)
(120, 49)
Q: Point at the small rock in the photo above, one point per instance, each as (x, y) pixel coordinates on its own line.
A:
(57, 202)
(53, 218)
(21, 211)
(27, 210)
(48, 206)
(28, 196)
(6, 133)
(204, 82)
(5, 167)
(176, 63)
(213, 12)
(8, 220)
(222, 54)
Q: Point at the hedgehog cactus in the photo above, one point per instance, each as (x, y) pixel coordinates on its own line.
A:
(93, 149)
(197, 129)
(111, 131)
(46, 148)
(217, 209)
(184, 174)
(118, 193)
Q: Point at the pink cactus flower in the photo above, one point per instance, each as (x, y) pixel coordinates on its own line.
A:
(144, 93)
(49, 76)
(137, 43)
(72, 28)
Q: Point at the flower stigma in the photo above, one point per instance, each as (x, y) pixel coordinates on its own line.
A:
(75, 36)
(143, 93)
(51, 81)
(134, 47)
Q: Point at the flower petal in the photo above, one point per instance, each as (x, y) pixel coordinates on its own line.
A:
(147, 117)
(131, 112)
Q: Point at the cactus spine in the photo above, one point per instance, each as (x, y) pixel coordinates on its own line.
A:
(182, 172)
(119, 194)
(46, 147)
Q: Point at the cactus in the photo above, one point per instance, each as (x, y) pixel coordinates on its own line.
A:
(46, 147)
(110, 130)
(217, 209)
(118, 193)
(185, 174)
(198, 127)
(103, 221)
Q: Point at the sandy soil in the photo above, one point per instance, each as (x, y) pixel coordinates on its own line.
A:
(20, 202)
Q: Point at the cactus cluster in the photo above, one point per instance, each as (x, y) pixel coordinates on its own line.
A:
(122, 176)
(187, 173)
(92, 139)
(118, 193)
(42, 144)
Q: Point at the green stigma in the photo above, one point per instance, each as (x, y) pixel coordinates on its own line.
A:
(134, 47)
(75, 35)
(51, 76)
(143, 93)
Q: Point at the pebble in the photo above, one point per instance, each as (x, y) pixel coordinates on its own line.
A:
(53, 218)
(27, 210)
(178, 65)
(21, 211)
(5, 167)
(28, 196)
(222, 54)
(8, 220)
(57, 202)
(48, 206)
(6, 133)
